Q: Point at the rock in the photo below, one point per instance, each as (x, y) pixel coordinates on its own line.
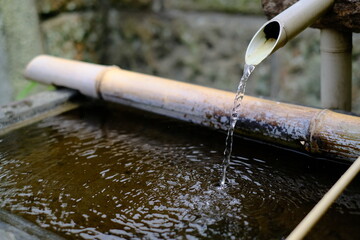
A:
(201, 48)
(132, 4)
(50, 6)
(231, 6)
(20, 41)
(74, 36)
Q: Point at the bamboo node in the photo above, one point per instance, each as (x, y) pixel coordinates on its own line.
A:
(315, 122)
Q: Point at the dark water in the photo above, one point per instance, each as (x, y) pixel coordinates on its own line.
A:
(94, 174)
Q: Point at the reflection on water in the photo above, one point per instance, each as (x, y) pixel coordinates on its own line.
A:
(94, 174)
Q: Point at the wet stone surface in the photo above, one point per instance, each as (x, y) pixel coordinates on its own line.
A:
(100, 172)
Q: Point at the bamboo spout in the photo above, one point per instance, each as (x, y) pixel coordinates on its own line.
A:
(278, 31)
(316, 131)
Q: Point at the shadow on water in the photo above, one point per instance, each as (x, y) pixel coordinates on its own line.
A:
(108, 171)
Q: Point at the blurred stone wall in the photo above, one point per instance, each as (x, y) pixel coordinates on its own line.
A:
(197, 41)
(20, 41)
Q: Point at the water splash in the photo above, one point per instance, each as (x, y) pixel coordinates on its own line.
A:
(248, 69)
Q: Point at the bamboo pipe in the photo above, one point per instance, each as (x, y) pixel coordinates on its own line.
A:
(81, 76)
(336, 69)
(324, 204)
(316, 131)
(278, 31)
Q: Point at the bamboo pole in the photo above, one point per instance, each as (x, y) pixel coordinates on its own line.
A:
(336, 69)
(316, 131)
(324, 204)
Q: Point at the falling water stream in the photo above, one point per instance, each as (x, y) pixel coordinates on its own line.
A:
(248, 69)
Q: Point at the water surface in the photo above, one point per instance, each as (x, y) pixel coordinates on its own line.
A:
(112, 173)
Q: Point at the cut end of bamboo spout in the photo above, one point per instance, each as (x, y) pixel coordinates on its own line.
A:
(81, 76)
(270, 37)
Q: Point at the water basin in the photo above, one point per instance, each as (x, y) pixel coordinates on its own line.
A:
(106, 172)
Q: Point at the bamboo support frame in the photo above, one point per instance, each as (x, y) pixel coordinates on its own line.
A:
(316, 131)
(336, 69)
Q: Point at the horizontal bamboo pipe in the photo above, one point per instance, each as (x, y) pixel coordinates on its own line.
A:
(315, 131)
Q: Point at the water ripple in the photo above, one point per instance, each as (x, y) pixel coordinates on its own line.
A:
(97, 177)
